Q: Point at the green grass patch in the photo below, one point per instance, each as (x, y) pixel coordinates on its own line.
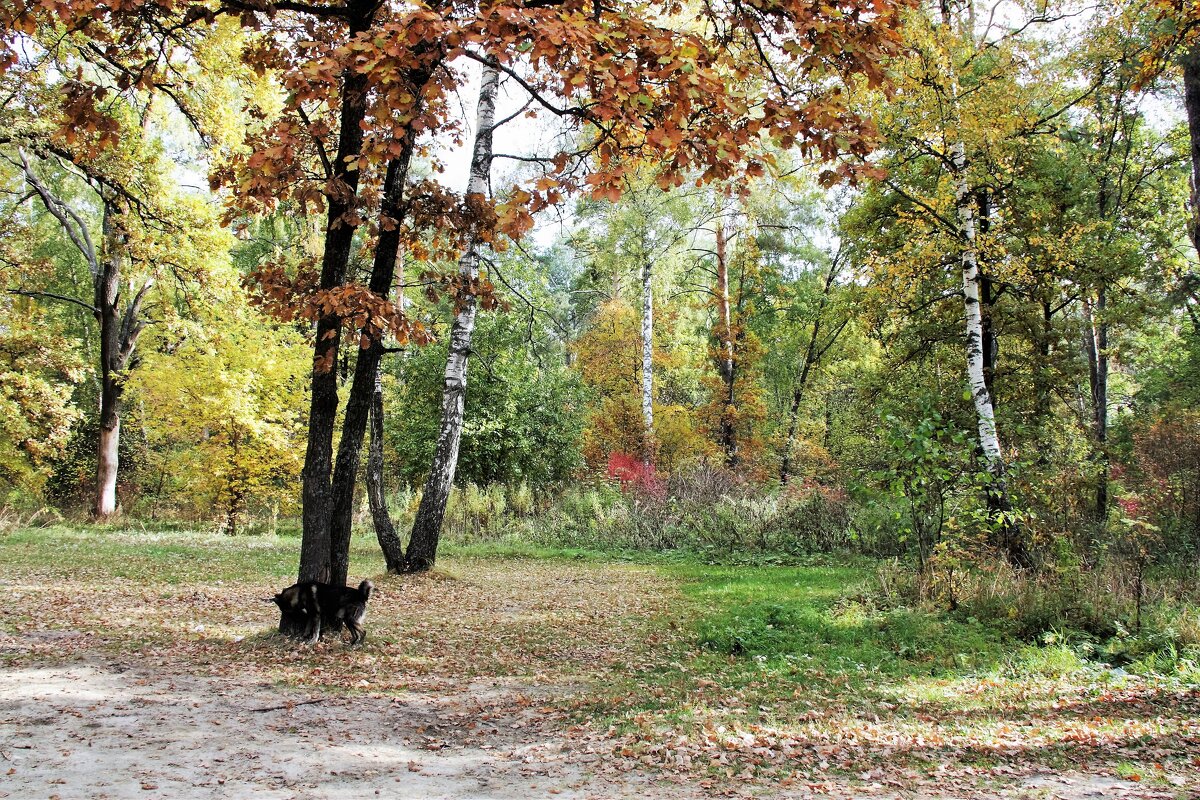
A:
(777, 617)
(152, 556)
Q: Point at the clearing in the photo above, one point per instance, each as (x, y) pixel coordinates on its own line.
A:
(140, 664)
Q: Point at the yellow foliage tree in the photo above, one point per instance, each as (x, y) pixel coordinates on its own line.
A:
(608, 355)
(223, 403)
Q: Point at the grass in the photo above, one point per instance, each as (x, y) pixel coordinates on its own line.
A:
(780, 615)
(767, 673)
(793, 671)
(172, 557)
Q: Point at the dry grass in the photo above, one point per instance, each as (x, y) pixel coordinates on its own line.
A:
(178, 600)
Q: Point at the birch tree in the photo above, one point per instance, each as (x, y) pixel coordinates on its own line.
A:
(422, 545)
(633, 247)
(647, 273)
(978, 97)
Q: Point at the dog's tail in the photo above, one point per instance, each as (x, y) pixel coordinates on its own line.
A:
(365, 587)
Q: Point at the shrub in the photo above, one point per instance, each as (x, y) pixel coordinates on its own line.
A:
(635, 475)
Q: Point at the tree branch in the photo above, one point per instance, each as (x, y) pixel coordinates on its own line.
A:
(339, 12)
(53, 296)
(67, 218)
(494, 63)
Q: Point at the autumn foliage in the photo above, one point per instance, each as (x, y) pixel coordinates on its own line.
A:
(635, 475)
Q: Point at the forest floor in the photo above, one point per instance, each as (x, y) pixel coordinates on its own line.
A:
(142, 664)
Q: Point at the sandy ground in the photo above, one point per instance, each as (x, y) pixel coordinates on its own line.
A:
(108, 731)
(102, 730)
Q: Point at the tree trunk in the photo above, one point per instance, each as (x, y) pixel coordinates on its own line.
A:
(118, 332)
(647, 361)
(1191, 103)
(236, 482)
(987, 298)
(118, 338)
(1096, 346)
(107, 295)
(107, 459)
(810, 355)
(725, 361)
(991, 342)
(1042, 381)
(341, 197)
(366, 368)
(385, 531)
(427, 526)
(989, 440)
(785, 468)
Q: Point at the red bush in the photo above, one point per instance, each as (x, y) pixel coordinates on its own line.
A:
(635, 475)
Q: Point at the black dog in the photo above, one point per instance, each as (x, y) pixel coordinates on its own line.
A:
(318, 607)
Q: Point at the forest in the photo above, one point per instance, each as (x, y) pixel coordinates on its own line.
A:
(754, 369)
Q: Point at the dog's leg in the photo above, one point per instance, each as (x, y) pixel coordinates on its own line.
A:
(314, 612)
(357, 633)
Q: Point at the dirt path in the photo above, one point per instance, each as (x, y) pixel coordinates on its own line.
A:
(106, 731)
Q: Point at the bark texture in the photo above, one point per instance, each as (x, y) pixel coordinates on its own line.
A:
(366, 371)
(989, 440)
(647, 359)
(385, 531)
(427, 526)
(341, 197)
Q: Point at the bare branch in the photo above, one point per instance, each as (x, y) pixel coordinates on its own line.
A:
(52, 296)
(534, 93)
(66, 216)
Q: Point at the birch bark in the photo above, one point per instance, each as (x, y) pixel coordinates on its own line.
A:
(427, 526)
(1008, 536)
(647, 358)
(989, 440)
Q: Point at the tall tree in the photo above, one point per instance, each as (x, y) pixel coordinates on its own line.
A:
(427, 525)
(979, 97)
(119, 327)
(736, 295)
(366, 80)
(91, 92)
(647, 336)
(726, 367)
(820, 341)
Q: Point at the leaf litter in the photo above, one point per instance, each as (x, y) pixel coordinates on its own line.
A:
(517, 678)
